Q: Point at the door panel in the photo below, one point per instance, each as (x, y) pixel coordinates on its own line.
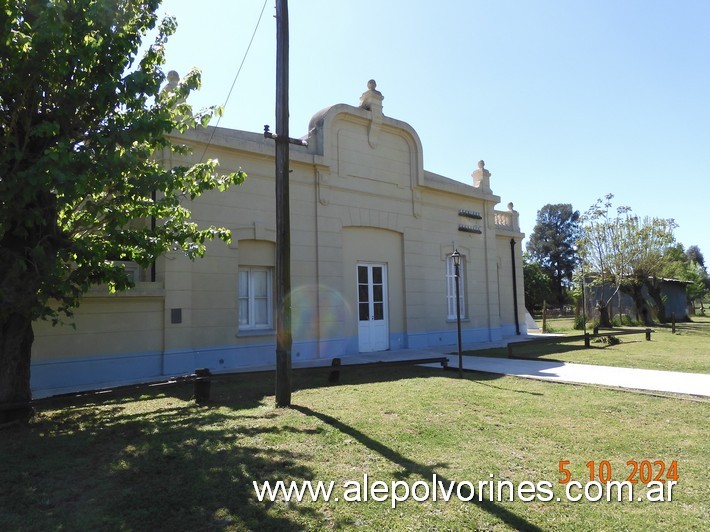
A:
(373, 320)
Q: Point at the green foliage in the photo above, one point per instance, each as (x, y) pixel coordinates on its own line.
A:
(675, 262)
(83, 128)
(579, 322)
(538, 285)
(624, 321)
(687, 266)
(699, 286)
(549, 329)
(83, 132)
(623, 251)
(552, 244)
(694, 254)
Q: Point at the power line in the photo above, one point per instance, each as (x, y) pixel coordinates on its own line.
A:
(246, 53)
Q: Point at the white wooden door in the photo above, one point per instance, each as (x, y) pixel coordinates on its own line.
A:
(373, 321)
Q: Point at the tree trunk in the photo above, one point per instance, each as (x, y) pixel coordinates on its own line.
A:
(654, 290)
(621, 313)
(610, 310)
(16, 337)
(603, 315)
(643, 313)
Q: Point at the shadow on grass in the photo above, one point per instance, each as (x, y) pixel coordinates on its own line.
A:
(497, 352)
(532, 351)
(181, 467)
(524, 350)
(251, 389)
(111, 462)
(694, 328)
(424, 471)
(482, 383)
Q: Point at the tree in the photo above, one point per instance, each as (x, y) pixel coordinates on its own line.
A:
(699, 285)
(694, 255)
(625, 253)
(698, 276)
(80, 119)
(552, 244)
(688, 266)
(602, 251)
(650, 241)
(538, 285)
(675, 261)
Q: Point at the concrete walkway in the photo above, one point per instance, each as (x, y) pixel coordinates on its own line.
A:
(637, 379)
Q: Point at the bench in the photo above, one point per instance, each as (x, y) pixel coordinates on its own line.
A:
(586, 337)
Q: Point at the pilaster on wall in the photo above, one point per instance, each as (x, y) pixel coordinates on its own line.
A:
(520, 288)
(491, 267)
(328, 275)
(177, 321)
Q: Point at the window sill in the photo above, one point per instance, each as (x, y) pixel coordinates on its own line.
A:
(453, 320)
(246, 333)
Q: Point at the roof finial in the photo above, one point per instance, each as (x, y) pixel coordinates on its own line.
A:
(482, 178)
(372, 98)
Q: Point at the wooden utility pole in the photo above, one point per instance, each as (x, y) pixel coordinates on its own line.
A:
(283, 218)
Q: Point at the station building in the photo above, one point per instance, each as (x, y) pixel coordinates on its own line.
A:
(372, 235)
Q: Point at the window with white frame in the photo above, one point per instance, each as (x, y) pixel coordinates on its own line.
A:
(451, 288)
(255, 298)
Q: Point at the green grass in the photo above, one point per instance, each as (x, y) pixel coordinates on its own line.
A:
(159, 462)
(558, 326)
(687, 350)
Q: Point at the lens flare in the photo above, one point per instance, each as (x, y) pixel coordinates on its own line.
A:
(319, 312)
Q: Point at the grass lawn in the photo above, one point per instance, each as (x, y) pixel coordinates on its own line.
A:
(687, 350)
(159, 462)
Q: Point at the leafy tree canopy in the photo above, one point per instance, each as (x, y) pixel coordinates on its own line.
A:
(81, 118)
(676, 262)
(688, 266)
(538, 285)
(695, 255)
(626, 252)
(552, 244)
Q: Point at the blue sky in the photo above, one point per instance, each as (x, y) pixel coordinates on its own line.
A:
(566, 101)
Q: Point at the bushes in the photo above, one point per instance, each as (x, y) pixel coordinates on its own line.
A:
(624, 321)
(579, 323)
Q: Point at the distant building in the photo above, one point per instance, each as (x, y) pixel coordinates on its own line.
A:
(372, 235)
(673, 291)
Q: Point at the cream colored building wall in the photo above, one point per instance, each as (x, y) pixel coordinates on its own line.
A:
(117, 340)
(104, 325)
(358, 193)
(206, 290)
